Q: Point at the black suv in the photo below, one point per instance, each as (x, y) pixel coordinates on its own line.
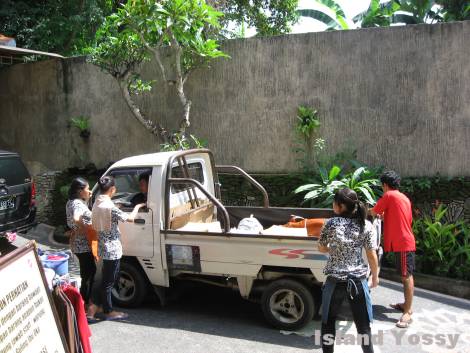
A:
(17, 195)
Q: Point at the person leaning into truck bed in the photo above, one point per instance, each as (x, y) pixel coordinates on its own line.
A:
(343, 237)
(105, 219)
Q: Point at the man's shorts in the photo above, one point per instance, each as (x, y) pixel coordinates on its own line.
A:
(405, 263)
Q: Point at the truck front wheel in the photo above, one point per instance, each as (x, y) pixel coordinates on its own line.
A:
(287, 304)
(131, 286)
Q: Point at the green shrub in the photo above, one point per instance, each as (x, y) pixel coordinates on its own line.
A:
(442, 248)
(322, 188)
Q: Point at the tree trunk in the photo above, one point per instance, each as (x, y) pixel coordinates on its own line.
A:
(180, 80)
(186, 108)
(153, 127)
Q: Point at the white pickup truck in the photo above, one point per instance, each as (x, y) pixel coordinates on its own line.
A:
(185, 233)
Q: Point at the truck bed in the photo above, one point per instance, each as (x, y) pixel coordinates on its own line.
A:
(235, 254)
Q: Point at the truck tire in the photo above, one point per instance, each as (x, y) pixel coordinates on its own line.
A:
(287, 304)
(130, 288)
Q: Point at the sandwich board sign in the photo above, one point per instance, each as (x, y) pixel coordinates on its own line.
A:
(28, 319)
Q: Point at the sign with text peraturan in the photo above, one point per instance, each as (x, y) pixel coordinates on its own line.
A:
(28, 320)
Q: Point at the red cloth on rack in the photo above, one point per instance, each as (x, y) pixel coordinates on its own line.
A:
(79, 306)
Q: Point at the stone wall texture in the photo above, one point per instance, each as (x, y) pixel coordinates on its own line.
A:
(399, 96)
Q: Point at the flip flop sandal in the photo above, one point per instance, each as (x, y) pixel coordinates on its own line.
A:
(404, 323)
(92, 319)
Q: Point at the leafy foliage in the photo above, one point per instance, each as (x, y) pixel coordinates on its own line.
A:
(307, 146)
(321, 191)
(182, 142)
(443, 248)
(68, 27)
(61, 26)
(378, 14)
(142, 29)
(417, 11)
(308, 121)
(385, 13)
(269, 17)
(81, 122)
(454, 10)
(330, 13)
(118, 49)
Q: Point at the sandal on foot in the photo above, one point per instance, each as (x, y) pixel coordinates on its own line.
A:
(118, 316)
(404, 323)
(92, 319)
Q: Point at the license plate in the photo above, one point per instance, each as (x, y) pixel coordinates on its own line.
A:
(7, 204)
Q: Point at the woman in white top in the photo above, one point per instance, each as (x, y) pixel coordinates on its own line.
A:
(106, 216)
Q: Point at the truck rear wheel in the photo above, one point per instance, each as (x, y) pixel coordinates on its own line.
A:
(131, 286)
(287, 304)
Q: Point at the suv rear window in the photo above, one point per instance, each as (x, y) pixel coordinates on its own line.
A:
(13, 171)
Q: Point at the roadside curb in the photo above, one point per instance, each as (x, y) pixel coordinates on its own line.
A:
(453, 287)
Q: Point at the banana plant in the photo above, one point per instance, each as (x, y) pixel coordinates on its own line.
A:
(417, 11)
(379, 14)
(330, 13)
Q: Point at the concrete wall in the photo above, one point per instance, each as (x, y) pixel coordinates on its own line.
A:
(399, 95)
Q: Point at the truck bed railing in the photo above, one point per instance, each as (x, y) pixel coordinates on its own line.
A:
(231, 168)
(211, 197)
(180, 158)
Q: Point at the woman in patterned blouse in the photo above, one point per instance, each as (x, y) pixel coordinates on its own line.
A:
(343, 237)
(106, 216)
(78, 218)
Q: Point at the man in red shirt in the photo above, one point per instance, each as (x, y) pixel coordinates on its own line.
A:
(395, 209)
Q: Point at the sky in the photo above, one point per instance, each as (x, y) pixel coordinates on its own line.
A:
(306, 24)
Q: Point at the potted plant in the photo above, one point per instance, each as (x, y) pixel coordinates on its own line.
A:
(83, 124)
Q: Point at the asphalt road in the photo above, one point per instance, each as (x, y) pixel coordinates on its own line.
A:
(207, 319)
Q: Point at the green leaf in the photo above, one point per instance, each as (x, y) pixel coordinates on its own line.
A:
(357, 173)
(306, 187)
(323, 174)
(312, 194)
(317, 15)
(370, 199)
(334, 171)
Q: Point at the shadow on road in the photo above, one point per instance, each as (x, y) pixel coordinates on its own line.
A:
(215, 311)
(380, 312)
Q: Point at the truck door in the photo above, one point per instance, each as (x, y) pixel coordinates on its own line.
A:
(133, 185)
